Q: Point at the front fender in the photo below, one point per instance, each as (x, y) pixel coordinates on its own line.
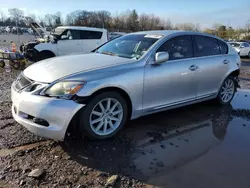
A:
(130, 82)
(47, 47)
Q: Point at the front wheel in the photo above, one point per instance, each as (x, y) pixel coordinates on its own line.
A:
(103, 116)
(227, 91)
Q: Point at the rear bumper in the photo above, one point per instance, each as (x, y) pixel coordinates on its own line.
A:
(56, 112)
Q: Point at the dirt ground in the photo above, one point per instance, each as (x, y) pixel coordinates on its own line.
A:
(202, 145)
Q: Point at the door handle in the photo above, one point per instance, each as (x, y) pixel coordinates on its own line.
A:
(226, 61)
(193, 67)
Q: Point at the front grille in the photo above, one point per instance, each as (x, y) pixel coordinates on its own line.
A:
(22, 82)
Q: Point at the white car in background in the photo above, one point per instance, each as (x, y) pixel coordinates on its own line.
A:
(114, 35)
(242, 48)
(65, 40)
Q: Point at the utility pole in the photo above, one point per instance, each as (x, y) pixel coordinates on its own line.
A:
(17, 30)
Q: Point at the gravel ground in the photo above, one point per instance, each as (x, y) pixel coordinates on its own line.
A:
(135, 157)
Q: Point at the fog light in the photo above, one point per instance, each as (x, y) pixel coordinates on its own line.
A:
(41, 122)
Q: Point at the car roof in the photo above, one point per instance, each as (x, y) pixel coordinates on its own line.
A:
(82, 28)
(159, 32)
(170, 32)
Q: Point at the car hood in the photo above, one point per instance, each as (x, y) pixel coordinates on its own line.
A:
(49, 70)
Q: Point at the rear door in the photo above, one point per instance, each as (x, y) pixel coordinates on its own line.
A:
(213, 62)
(71, 44)
(90, 40)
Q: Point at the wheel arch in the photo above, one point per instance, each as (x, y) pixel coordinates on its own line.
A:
(121, 91)
(49, 52)
(84, 100)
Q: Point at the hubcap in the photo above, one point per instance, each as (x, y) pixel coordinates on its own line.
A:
(227, 90)
(106, 116)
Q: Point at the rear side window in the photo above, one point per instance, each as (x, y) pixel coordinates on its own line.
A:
(206, 46)
(91, 35)
(223, 47)
(178, 47)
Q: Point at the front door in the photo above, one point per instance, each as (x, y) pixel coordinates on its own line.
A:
(71, 44)
(173, 81)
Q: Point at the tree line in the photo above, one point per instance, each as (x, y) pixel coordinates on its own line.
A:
(127, 21)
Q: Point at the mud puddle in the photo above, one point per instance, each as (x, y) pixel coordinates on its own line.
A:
(194, 146)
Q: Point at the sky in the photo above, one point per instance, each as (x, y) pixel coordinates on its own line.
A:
(233, 13)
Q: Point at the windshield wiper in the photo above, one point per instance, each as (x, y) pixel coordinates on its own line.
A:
(109, 53)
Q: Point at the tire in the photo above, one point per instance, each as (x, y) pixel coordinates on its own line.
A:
(249, 55)
(229, 90)
(86, 116)
(16, 65)
(2, 64)
(22, 64)
(11, 63)
(44, 55)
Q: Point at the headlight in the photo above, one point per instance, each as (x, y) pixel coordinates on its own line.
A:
(64, 89)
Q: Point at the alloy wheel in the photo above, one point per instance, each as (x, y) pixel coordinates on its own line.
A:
(106, 116)
(227, 90)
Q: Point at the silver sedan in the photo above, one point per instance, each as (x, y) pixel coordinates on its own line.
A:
(132, 76)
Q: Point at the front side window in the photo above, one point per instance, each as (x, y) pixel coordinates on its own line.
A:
(129, 46)
(178, 47)
(206, 46)
(73, 34)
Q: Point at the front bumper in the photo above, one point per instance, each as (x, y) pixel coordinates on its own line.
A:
(57, 112)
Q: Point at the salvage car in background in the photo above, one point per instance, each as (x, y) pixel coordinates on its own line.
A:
(114, 35)
(131, 76)
(64, 40)
(242, 48)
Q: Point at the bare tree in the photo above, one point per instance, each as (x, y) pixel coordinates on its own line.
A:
(49, 19)
(58, 18)
(16, 13)
(2, 17)
(41, 21)
(32, 17)
(247, 30)
(144, 22)
(166, 24)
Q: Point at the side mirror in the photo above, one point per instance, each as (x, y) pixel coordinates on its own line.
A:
(63, 37)
(161, 57)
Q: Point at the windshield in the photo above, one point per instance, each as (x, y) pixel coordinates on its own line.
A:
(234, 44)
(58, 32)
(129, 46)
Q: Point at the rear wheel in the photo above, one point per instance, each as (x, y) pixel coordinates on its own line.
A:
(249, 55)
(227, 91)
(16, 65)
(22, 64)
(2, 64)
(103, 116)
